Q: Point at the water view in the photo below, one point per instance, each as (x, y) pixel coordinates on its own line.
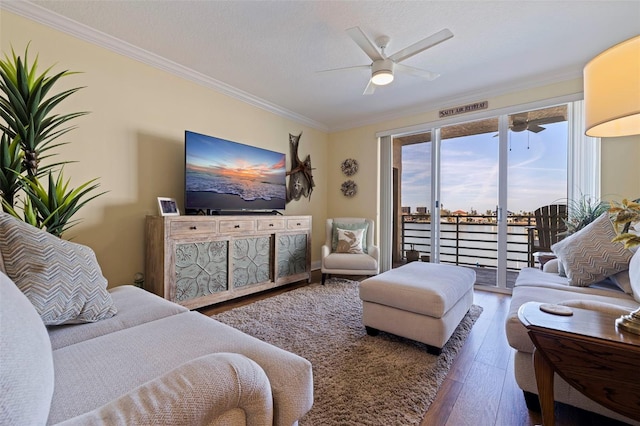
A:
(249, 189)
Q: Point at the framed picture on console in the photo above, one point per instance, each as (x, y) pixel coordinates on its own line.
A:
(168, 206)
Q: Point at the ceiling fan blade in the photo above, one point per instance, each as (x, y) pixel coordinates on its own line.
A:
(548, 120)
(424, 44)
(417, 72)
(535, 128)
(369, 89)
(356, 67)
(365, 44)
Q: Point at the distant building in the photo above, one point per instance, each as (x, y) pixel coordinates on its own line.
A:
(421, 210)
(460, 213)
(406, 210)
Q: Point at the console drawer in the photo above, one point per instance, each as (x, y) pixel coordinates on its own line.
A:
(234, 226)
(298, 223)
(187, 227)
(270, 224)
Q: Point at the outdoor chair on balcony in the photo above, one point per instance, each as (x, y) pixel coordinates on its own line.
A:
(348, 248)
(550, 228)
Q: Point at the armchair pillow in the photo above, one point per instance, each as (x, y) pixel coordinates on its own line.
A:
(349, 226)
(62, 279)
(589, 256)
(350, 241)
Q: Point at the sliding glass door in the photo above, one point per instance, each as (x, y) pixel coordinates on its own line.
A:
(468, 191)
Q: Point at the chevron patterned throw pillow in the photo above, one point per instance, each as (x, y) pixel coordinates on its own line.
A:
(589, 256)
(61, 279)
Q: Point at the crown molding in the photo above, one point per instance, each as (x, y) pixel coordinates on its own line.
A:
(83, 32)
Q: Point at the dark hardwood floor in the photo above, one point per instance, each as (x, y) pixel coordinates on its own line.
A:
(480, 389)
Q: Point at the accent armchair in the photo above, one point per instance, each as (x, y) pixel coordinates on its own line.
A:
(344, 256)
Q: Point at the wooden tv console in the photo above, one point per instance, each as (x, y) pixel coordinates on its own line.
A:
(201, 260)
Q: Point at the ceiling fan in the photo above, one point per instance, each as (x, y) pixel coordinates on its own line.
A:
(383, 67)
(521, 122)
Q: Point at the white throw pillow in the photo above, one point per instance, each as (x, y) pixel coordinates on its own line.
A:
(622, 280)
(589, 256)
(350, 241)
(26, 360)
(634, 275)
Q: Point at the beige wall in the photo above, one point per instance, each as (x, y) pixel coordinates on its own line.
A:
(133, 139)
(620, 168)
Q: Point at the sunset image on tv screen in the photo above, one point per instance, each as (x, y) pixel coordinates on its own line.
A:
(220, 174)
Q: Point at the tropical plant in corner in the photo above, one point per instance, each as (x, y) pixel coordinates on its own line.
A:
(582, 212)
(30, 131)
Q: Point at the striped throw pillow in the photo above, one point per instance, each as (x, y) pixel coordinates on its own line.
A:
(61, 279)
(589, 256)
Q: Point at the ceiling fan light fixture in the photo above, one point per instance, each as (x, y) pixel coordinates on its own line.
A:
(382, 72)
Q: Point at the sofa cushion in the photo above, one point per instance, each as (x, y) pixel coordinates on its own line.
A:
(61, 279)
(534, 277)
(589, 256)
(350, 262)
(135, 306)
(350, 241)
(220, 389)
(123, 360)
(26, 364)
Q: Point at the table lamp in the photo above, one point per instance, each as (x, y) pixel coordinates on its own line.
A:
(612, 91)
(612, 109)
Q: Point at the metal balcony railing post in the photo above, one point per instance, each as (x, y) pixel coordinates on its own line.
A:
(457, 240)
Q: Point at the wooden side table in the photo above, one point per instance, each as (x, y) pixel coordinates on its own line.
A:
(589, 353)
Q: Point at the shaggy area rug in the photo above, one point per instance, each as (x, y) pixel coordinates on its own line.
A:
(358, 379)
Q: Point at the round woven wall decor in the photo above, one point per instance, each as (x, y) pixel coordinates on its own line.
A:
(349, 188)
(349, 167)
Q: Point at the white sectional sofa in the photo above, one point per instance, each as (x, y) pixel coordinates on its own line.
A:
(74, 353)
(154, 362)
(598, 275)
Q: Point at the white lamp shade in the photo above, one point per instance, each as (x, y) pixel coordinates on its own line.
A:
(612, 91)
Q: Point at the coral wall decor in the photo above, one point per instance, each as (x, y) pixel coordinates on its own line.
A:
(300, 176)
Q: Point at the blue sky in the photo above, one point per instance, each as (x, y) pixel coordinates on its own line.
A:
(537, 175)
(220, 156)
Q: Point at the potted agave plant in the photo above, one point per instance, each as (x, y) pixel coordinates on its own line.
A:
(30, 191)
(582, 212)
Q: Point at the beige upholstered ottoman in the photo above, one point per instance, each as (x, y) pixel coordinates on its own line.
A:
(420, 301)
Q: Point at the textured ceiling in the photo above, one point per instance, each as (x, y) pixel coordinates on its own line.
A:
(272, 50)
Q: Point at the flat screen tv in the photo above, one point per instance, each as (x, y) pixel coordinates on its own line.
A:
(224, 176)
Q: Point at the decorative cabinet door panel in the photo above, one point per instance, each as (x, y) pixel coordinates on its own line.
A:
(251, 261)
(201, 269)
(292, 255)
